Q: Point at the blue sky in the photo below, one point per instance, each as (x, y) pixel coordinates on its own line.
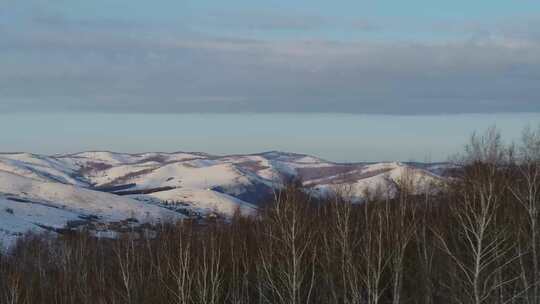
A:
(120, 57)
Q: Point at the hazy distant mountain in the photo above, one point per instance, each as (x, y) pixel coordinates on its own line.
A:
(103, 189)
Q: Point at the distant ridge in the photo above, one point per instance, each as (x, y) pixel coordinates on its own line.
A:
(38, 191)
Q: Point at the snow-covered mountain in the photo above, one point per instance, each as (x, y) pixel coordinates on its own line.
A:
(105, 189)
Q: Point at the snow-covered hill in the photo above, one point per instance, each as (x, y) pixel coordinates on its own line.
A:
(28, 204)
(40, 192)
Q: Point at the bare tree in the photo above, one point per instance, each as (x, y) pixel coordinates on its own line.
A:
(209, 270)
(128, 258)
(287, 260)
(425, 247)
(375, 254)
(12, 288)
(525, 188)
(339, 247)
(402, 213)
(483, 246)
(175, 263)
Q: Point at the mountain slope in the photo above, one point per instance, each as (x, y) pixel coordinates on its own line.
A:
(51, 191)
(30, 204)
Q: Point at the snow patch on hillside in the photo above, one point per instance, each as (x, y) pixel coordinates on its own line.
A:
(203, 201)
(82, 201)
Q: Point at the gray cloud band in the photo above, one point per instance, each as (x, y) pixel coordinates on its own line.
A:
(94, 68)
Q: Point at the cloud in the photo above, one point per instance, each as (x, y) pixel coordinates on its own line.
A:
(524, 28)
(365, 25)
(101, 67)
(60, 21)
(269, 20)
(266, 20)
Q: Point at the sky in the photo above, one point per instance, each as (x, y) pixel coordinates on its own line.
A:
(334, 137)
(355, 56)
(174, 57)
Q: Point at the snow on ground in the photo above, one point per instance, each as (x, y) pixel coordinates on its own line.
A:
(39, 167)
(421, 181)
(308, 160)
(199, 163)
(383, 184)
(113, 158)
(53, 189)
(293, 161)
(256, 164)
(106, 157)
(204, 201)
(181, 156)
(186, 176)
(359, 190)
(17, 218)
(270, 174)
(82, 201)
(381, 167)
(119, 173)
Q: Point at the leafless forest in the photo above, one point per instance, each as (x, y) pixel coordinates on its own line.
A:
(475, 240)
